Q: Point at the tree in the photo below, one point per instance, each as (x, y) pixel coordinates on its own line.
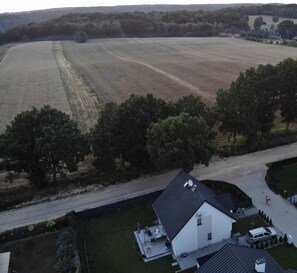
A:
(287, 85)
(286, 29)
(121, 131)
(80, 37)
(103, 139)
(266, 97)
(227, 110)
(258, 22)
(275, 18)
(250, 104)
(194, 106)
(38, 141)
(134, 117)
(179, 142)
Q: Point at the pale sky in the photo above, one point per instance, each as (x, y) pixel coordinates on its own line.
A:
(21, 5)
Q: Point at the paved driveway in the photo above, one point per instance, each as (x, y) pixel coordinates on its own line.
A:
(246, 171)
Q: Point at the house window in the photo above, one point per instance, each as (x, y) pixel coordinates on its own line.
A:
(209, 236)
(199, 221)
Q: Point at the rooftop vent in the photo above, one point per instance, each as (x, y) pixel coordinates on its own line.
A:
(260, 265)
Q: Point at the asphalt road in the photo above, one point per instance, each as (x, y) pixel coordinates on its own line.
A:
(246, 171)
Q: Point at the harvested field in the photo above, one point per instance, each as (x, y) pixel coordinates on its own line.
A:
(36, 74)
(167, 67)
(71, 76)
(30, 77)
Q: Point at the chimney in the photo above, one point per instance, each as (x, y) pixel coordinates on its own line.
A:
(260, 265)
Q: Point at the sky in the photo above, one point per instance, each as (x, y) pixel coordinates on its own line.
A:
(21, 5)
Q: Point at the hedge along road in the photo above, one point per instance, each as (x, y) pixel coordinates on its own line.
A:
(246, 171)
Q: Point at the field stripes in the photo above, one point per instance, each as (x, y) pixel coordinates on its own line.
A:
(188, 85)
(83, 103)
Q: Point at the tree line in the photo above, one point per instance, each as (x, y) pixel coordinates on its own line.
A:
(178, 23)
(286, 11)
(141, 24)
(145, 133)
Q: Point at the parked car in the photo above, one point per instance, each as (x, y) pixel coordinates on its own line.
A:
(261, 234)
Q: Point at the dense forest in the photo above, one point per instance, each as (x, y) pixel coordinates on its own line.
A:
(15, 19)
(286, 11)
(180, 23)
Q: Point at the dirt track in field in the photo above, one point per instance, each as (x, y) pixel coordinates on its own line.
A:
(83, 103)
(37, 74)
(167, 67)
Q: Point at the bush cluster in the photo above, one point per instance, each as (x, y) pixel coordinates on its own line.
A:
(66, 252)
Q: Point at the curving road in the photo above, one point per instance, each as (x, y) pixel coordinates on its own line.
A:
(246, 171)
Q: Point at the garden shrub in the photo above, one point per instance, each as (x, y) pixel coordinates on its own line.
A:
(65, 252)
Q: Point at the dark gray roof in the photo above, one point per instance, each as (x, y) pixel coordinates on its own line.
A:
(238, 259)
(227, 201)
(177, 204)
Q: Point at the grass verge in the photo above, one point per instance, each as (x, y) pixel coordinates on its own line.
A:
(286, 177)
(245, 224)
(285, 255)
(111, 245)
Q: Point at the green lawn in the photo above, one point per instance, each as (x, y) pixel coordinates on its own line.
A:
(285, 255)
(287, 175)
(245, 224)
(111, 244)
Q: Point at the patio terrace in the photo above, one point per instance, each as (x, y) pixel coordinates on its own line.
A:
(153, 243)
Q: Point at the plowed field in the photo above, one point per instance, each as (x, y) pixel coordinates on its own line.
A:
(36, 74)
(71, 76)
(168, 67)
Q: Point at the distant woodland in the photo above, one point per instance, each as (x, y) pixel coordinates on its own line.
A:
(200, 23)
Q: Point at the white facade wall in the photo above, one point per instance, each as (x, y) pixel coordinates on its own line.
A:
(192, 237)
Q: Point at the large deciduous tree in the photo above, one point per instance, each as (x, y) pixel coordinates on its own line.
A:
(195, 107)
(179, 141)
(250, 104)
(228, 113)
(287, 29)
(287, 84)
(38, 141)
(121, 131)
(103, 139)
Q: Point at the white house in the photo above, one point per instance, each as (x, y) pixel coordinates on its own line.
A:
(192, 215)
(4, 262)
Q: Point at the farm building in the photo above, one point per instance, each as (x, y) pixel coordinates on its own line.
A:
(192, 216)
